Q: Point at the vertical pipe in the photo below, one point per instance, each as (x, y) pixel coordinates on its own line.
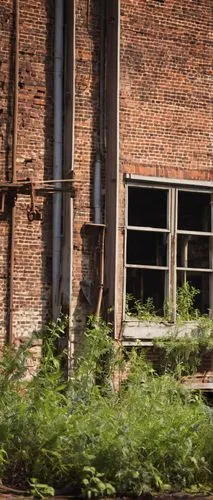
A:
(101, 273)
(99, 159)
(117, 168)
(100, 153)
(16, 77)
(57, 152)
(102, 76)
(97, 190)
(14, 148)
(68, 167)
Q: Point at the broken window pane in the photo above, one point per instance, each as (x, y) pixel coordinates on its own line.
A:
(147, 207)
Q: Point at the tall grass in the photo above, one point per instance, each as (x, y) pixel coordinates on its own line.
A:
(151, 435)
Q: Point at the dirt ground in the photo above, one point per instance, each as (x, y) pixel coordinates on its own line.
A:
(148, 496)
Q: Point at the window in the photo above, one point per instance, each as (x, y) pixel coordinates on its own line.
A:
(169, 241)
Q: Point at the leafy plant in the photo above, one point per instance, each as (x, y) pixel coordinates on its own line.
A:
(144, 311)
(185, 302)
(94, 484)
(41, 490)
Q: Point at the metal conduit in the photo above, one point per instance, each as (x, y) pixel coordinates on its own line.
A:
(14, 148)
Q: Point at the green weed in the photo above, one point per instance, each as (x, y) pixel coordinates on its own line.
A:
(185, 307)
(143, 311)
(186, 310)
(181, 353)
(152, 435)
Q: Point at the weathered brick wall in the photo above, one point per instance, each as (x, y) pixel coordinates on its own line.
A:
(165, 94)
(165, 127)
(166, 65)
(32, 273)
(85, 256)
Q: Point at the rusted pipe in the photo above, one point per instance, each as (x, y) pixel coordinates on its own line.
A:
(57, 154)
(100, 157)
(14, 148)
(101, 273)
(102, 77)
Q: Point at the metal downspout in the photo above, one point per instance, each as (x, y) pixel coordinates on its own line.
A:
(97, 190)
(100, 153)
(100, 160)
(116, 332)
(57, 153)
(101, 273)
(14, 148)
(71, 334)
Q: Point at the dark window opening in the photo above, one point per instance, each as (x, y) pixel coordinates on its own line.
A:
(147, 207)
(193, 251)
(143, 284)
(194, 212)
(146, 248)
(200, 281)
(165, 239)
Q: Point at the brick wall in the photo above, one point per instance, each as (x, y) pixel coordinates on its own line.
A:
(85, 240)
(32, 273)
(166, 64)
(165, 94)
(165, 130)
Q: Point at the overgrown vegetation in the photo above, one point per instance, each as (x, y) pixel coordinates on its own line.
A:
(185, 304)
(82, 435)
(143, 311)
(180, 354)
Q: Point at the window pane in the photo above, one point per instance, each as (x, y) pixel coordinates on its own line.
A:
(146, 248)
(200, 281)
(193, 251)
(194, 211)
(147, 207)
(143, 284)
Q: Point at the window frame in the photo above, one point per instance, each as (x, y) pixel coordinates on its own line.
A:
(173, 187)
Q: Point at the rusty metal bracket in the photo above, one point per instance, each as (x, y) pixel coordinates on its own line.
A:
(33, 188)
(33, 213)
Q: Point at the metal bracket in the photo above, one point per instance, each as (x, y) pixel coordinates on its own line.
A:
(32, 188)
(33, 213)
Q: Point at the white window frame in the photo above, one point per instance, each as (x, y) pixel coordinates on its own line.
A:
(172, 186)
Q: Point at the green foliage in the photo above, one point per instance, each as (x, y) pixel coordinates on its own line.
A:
(152, 435)
(181, 353)
(144, 311)
(93, 484)
(185, 302)
(40, 490)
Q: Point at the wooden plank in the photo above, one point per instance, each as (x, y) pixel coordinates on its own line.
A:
(135, 329)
